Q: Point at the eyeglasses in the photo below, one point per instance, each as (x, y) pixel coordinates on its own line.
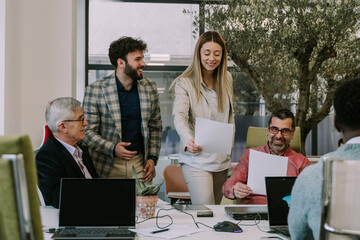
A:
(76, 120)
(284, 131)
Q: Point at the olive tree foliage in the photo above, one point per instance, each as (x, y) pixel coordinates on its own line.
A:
(295, 51)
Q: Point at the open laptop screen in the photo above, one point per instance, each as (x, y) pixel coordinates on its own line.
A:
(97, 202)
(278, 194)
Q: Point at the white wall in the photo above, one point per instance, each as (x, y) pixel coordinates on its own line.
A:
(40, 61)
(2, 65)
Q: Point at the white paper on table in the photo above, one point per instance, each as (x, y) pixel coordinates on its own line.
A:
(212, 136)
(262, 165)
(174, 232)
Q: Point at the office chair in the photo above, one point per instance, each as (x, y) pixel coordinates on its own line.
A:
(226, 201)
(46, 134)
(22, 145)
(256, 137)
(341, 194)
(175, 184)
(9, 218)
(41, 197)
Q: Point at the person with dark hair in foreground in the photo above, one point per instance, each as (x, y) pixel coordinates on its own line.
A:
(123, 112)
(306, 202)
(280, 131)
(340, 142)
(62, 155)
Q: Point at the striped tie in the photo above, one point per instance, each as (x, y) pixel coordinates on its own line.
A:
(79, 161)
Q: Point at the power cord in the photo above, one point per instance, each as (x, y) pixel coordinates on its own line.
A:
(256, 220)
(187, 214)
(205, 225)
(167, 209)
(157, 217)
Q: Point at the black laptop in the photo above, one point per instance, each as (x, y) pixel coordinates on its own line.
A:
(96, 209)
(278, 194)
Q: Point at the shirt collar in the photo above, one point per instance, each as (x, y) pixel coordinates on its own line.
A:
(70, 148)
(274, 153)
(118, 83)
(121, 87)
(355, 140)
(204, 86)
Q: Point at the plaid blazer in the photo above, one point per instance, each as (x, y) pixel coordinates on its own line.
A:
(101, 108)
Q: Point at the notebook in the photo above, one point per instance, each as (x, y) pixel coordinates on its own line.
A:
(247, 212)
(278, 194)
(96, 209)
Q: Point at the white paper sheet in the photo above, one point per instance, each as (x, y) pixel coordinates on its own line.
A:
(174, 232)
(262, 165)
(212, 136)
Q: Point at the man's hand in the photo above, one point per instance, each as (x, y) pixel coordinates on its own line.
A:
(150, 170)
(192, 147)
(122, 153)
(241, 190)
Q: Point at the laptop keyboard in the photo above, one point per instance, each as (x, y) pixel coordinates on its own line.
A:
(95, 231)
(284, 230)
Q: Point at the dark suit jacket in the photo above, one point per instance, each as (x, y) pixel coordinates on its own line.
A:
(54, 162)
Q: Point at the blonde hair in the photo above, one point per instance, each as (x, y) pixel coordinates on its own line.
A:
(223, 86)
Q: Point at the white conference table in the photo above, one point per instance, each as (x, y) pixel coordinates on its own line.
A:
(50, 220)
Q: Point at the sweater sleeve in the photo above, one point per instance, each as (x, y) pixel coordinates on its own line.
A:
(240, 174)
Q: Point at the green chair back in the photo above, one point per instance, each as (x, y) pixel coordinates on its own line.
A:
(256, 136)
(226, 201)
(16, 145)
(9, 220)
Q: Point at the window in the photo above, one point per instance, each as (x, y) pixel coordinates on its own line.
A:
(168, 32)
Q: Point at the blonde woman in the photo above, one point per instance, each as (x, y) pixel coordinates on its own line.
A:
(203, 90)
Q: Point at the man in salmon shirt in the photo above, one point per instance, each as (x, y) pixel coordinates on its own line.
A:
(280, 131)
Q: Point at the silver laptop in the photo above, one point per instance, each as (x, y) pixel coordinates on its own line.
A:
(247, 212)
(96, 209)
(278, 194)
(186, 207)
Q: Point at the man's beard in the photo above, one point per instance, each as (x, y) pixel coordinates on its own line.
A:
(132, 73)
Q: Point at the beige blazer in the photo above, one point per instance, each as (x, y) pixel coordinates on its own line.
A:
(186, 108)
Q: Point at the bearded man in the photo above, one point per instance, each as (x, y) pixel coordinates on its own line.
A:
(123, 113)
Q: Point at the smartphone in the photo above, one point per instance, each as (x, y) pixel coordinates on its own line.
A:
(204, 214)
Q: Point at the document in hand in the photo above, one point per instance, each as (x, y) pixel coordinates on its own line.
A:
(214, 137)
(263, 165)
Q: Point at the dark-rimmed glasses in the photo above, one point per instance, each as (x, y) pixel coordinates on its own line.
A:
(76, 120)
(284, 131)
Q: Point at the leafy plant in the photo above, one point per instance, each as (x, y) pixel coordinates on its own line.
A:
(145, 188)
(295, 52)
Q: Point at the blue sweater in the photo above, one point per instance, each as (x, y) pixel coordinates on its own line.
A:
(306, 199)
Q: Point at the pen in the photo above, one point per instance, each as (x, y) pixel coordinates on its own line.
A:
(271, 237)
(49, 230)
(161, 230)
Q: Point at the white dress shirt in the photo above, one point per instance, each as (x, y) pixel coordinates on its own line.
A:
(76, 153)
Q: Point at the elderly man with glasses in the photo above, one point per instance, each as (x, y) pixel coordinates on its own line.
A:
(281, 129)
(62, 155)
